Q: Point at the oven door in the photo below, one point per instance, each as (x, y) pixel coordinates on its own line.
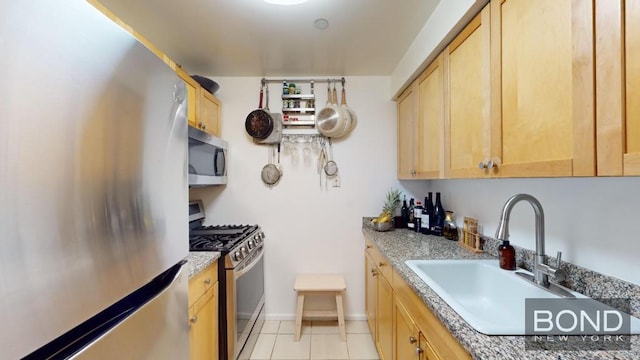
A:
(246, 313)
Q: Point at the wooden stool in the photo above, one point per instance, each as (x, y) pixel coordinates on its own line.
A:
(320, 284)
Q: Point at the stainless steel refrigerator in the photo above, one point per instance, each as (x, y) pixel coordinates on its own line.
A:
(93, 189)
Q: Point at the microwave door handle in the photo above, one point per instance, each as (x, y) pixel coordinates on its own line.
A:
(248, 267)
(219, 152)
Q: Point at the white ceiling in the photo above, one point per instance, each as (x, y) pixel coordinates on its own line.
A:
(253, 38)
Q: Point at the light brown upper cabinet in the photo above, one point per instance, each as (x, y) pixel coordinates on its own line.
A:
(618, 87)
(430, 129)
(407, 115)
(203, 109)
(467, 117)
(542, 88)
(421, 125)
(209, 112)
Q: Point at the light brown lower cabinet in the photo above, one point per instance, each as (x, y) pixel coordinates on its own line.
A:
(203, 314)
(406, 335)
(384, 319)
(203, 326)
(403, 327)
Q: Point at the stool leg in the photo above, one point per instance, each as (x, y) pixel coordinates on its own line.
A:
(299, 315)
(343, 331)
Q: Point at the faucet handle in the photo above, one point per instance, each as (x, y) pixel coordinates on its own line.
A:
(558, 259)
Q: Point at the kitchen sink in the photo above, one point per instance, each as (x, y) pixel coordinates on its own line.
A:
(489, 299)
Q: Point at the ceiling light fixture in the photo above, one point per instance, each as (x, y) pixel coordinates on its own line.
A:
(285, 2)
(321, 24)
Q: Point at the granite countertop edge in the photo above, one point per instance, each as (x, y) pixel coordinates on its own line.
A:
(199, 260)
(401, 245)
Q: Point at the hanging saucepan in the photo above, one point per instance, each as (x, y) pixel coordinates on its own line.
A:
(346, 123)
(330, 120)
(271, 173)
(346, 108)
(259, 123)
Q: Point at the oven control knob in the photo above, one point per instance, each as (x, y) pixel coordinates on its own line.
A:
(243, 251)
(237, 256)
(250, 244)
(261, 235)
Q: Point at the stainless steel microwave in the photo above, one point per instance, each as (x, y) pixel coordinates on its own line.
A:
(207, 159)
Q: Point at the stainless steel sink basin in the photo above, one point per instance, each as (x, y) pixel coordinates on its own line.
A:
(490, 299)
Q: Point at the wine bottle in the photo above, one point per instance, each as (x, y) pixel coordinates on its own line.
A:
(404, 212)
(425, 227)
(431, 213)
(411, 223)
(417, 216)
(439, 216)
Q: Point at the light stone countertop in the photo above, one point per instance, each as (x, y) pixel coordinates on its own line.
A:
(400, 245)
(199, 260)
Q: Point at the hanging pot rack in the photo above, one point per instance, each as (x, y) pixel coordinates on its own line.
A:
(295, 134)
(334, 80)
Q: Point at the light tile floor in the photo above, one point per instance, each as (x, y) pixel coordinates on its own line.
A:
(320, 340)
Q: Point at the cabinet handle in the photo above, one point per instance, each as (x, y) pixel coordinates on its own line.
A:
(204, 126)
(381, 264)
(413, 173)
(419, 351)
(194, 319)
(207, 281)
(488, 165)
(368, 247)
(412, 340)
(374, 272)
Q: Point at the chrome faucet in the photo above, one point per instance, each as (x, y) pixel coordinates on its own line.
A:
(542, 270)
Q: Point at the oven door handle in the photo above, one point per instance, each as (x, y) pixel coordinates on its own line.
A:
(246, 269)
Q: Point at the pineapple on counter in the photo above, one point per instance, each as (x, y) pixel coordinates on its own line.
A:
(392, 202)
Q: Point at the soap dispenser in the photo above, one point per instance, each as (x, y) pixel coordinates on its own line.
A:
(507, 256)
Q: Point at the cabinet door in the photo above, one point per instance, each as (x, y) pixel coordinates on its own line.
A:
(467, 120)
(203, 331)
(542, 98)
(384, 319)
(426, 351)
(407, 115)
(209, 113)
(430, 129)
(215, 301)
(405, 334)
(371, 292)
(618, 87)
(193, 89)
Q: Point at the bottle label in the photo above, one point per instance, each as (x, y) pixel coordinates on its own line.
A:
(411, 225)
(425, 221)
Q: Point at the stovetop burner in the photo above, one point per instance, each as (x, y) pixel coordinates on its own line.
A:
(221, 238)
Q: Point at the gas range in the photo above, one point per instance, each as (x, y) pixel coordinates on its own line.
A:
(235, 242)
(240, 278)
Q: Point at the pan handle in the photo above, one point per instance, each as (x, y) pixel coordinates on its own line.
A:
(266, 106)
(261, 93)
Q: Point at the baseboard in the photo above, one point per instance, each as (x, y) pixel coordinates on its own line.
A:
(290, 317)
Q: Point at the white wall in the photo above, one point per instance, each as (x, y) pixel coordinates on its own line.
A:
(309, 229)
(593, 221)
